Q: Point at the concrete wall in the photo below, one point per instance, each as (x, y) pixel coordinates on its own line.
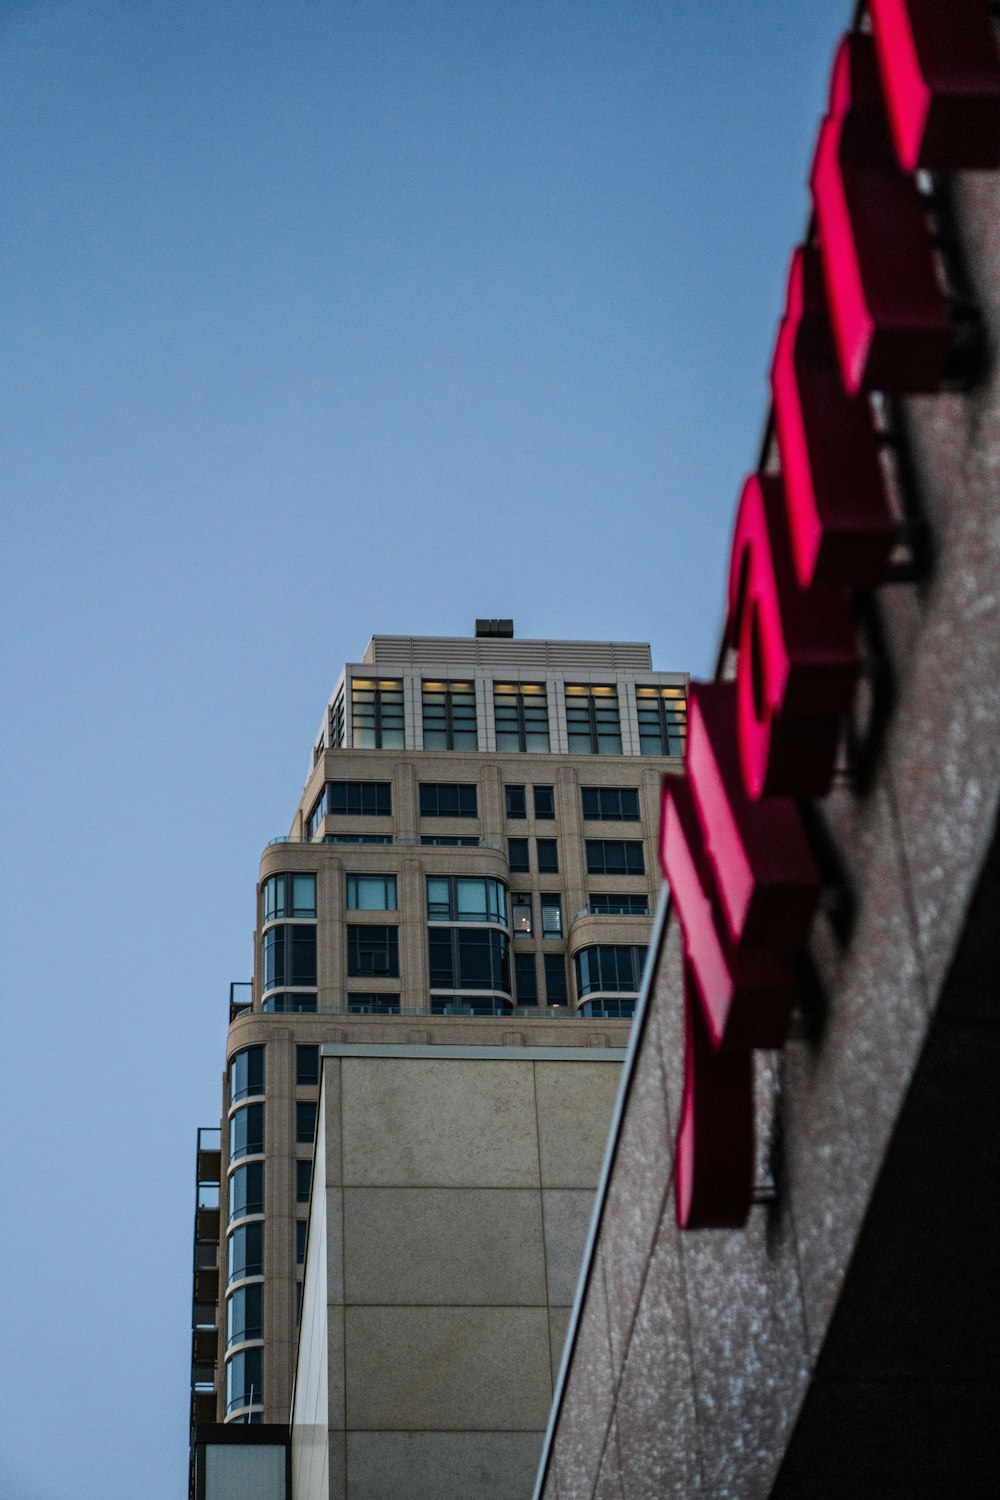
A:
(455, 1190)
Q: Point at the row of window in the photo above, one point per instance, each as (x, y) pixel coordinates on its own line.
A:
(440, 799)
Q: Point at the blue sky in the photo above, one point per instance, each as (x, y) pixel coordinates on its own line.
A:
(319, 319)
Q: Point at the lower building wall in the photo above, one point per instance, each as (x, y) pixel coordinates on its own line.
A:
(451, 1203)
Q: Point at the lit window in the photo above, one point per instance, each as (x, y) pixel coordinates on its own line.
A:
(662, 713)
(461, 898)
(521, 715)
(615, 857)
(592, 723)
(371, 893)
(449, 712)
(289, 896)
(514, 802)
(610, 804)
(373, 950)
(305, 1122)
(545, 802)
(526, 978)
(447, 799)
(246, 1131)
(520, 906)
(377, 713)
(246, 1073)
(551, 915)
(547, 854)
(246, 1191)
(245, 1314)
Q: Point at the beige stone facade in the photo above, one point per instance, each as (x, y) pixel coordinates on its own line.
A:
(380, 942)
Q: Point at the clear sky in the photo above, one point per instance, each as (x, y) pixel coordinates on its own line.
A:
(318, 319)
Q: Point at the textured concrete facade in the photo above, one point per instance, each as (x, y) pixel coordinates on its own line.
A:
(453, 1195)
(837, 1346)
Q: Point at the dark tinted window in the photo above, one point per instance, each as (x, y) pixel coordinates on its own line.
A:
(245, 1314)
(373, 950)
(517, 854)
(555, 979)
(246, 1191)
(547, 853)
(615, 857)
(514, 802)
(620, 906)
(246, 1073)
(526, 979)
(303, 1181)
(545, 802)
(610, 804)
(468, 958)
(447, 800)
(306, 1065)
(246, 1132)
(246, 1251)
(305, 1122)
(289, 956)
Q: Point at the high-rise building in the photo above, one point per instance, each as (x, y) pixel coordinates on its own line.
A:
(472, 861)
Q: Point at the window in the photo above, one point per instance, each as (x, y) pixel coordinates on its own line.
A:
(460, 898)
(246, 1132)
(514, 802)
(245, 1379)
(373, 950)
(545, 802)
(450, 841)
(521, 715)
(449, 710)
(520, 921)
(352, 799)
(289, 896)
(662, 713)
(615, 857)
(246, 1073)
(618, 906)
(592, 723)
(283, 1001)
(306, 1066)
(245, 1314)
(555, 978)
(301, 1229)
(303, 1181)
(289, 956)
(547, 854)
(517, 854)
(357, 838)
(611, 1009)
(471, 958)
(245, 1251)
(246, 1191)
(609, 967)
(373, 1005)
(526, 978)
(377, 713)
(610, 804)
(447, 799)
(371, 893)
(468, 1005)
(305, 1122)
(336, 721)
(551, 915)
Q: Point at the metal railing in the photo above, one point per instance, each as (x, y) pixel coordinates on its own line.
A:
(366, 838)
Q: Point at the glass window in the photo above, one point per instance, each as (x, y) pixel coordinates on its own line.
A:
(301, 1229)
(514, 802)
(352, 799)
(609, 967)
(447, 799)
(551, 915)
(545, 802)
(246, 1132)
(521, 715)
(450, 841)
(246, 1073)
(245, 1314)
(469, 1005)
(619, 906)
(357, 838)
(547, 854)
(611, 1009)
(245, 1251)
(555, 978)
(306, 1065)
(526, 978)
(449, 712)
(517, 854)
(468, 959)
(303, 1181)
(662, 713)
(246, 1191)
(615, 857)
(610, 804)
(377, 713)
(336, 721)
(289, 896)
(371, 893)
(520, 907)
(373, 950)
(461, 898)
(373, 1005)
(284, 1001)
(592, 723)
(289, 956)
(245, 1379)
(305, 1122)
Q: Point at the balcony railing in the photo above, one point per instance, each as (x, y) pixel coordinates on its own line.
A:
(366, 838)
(422, 1010)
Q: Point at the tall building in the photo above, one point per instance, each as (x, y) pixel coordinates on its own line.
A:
(472, 862)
